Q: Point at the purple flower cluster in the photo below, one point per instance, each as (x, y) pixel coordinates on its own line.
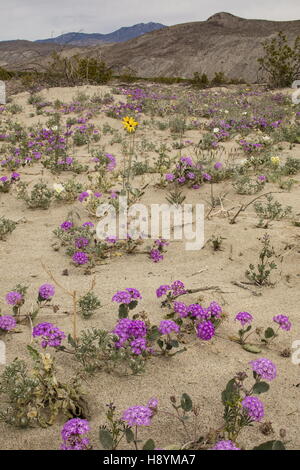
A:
(138, 346)
(51, 335)
(80, 258)
(265, 368)
(14, 298)
(82, 196)
(66, 225)
(156, 255)
(7, 323)
(283, 322)
(126, 296)
(167, 326)
(132, 330)
(214, 310)
(138, 416)
(71, 434)
(81, 242)
(46, 291)
(244, 318)
(181, 309)
(205, 330)
(254, 407)
(225, 445)
(177, 288)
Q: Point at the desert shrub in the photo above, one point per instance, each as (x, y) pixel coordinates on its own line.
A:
(88, 304)
(6, 226)
(281, 62)
(270, 210)
(128, 75)
(5, 74)
(40, 196)
(93, 70)
(219, 79)
(36, 396)
(200, 81)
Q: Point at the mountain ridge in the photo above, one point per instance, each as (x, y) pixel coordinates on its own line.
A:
(122, 34)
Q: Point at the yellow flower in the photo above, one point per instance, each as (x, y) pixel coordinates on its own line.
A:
(129, 124)
(275, 160)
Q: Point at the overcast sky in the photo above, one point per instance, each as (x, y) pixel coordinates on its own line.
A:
(39, 19)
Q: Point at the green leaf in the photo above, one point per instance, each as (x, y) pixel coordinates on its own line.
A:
(71, 341)
(106, 439)
(129, 435)
(269, 332)
(260, 387)
(149, 445)
(270, 445)
(123, 311)
(186, 402)
(132, 304)
(153, 334)
(33, 352)
(251, 348)
(229, 391)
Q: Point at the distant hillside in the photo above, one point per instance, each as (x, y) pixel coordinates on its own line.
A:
(121, 35)
(223, 43)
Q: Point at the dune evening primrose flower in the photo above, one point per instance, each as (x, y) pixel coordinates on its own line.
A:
(283, 322)
(46, 291)
(7, 323)
(225, 445)
(72, 433)
(167, 326)
(265, 368)
(254, 407)
(244, 318)
(138, 416)
(275, 160)
(14, 298)
(205, 330)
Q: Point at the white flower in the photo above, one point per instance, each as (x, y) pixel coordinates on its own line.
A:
(58, 187)
(244, 113)
(226, 111)
(54, 128)
(266, 137)
(216, 130)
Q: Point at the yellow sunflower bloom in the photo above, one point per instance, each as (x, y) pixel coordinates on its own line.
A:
(129, 124)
